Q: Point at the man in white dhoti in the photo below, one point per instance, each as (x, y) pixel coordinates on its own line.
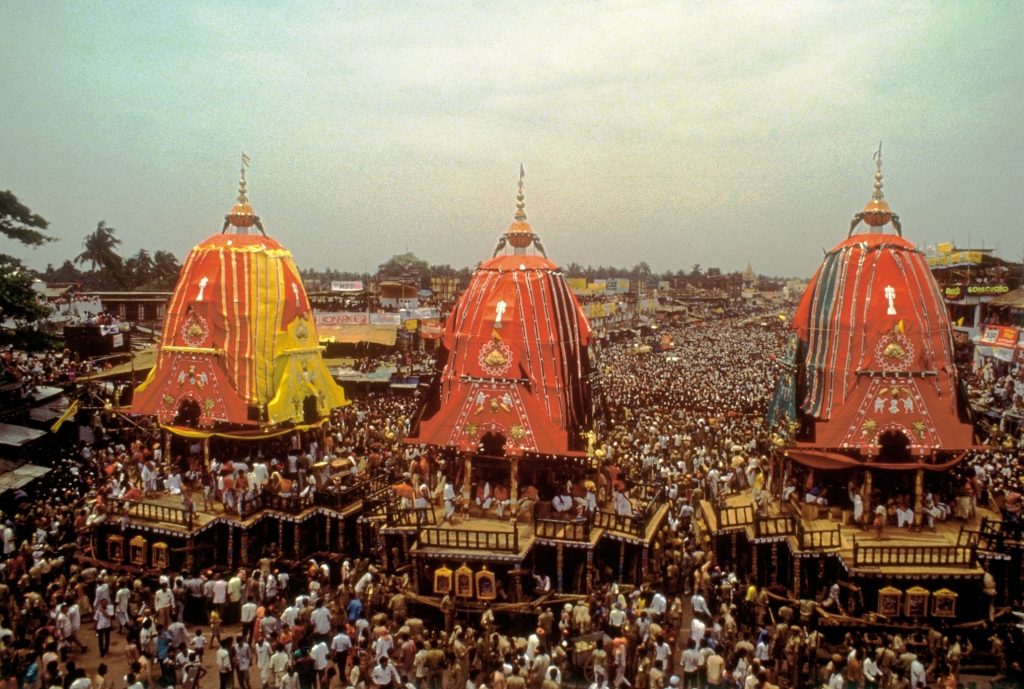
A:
(501, 499)
(623, 506)
(422, 500)
(449, 499)
(260, 476)
(483, 496)
(904, 515)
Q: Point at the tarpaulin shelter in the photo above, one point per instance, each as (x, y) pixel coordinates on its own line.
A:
(875, 368)
(239, 342)
(15, 475)
(514, 366)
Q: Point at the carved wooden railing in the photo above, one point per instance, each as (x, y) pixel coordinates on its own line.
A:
(631, 525)
(499, 541)
(733, 517)
(768, 526)
(563, 529)
(360, 487)
(914, 555)
(819, 539)
(988, 537)
(646, 493)
(271, 500)
(397, 516)
(146, 511)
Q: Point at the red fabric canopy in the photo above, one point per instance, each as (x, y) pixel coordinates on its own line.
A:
(516, 364)
(878, 352)
(239, 333)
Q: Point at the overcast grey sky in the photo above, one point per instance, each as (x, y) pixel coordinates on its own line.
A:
(671, 132)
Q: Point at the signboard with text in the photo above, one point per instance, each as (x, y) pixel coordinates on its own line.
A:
(1000, 336)
(346, 285)
(954, 292)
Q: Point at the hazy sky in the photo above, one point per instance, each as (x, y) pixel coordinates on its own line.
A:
(672, 132)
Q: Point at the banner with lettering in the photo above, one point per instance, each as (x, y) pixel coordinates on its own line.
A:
(430, 328)
(346, 285)
(332, 319)
(394, 319)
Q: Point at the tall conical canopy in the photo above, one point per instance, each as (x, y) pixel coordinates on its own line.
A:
(513, 372)
(239, 341)
(875, 367)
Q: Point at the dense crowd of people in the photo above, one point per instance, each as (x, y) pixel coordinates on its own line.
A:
(23, 373)
(687, 421)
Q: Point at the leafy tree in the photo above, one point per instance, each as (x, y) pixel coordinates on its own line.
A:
(403, 264)
(19, 223)
(101, 250)
(573, 269)
(641, 270)
(442, 270)
(66, 273)
(22, 314)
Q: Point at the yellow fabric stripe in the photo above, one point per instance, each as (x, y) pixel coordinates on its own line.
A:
(199, 435)
(230, 327)
(194, 350)
(274, 253)
(260, 309)
(243, 305)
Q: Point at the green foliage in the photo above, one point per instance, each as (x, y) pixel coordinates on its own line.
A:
(67, 273)
(165, 270)
(139, 269)
(22, 313)
(19, 223)
(106, 265)
(403, 264)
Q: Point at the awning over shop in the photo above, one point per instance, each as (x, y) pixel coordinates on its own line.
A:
(14, 476)
(354, 333)
(18, 436)
(999, 341)
(1013, 299)
(45, 392)
(47, 413)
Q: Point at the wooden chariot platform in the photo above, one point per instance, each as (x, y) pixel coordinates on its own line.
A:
(155, 533)
(367, 518)
(947, 549)
(803, 552)
(563, 548)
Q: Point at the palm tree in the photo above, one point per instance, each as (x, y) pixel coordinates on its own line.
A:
(101, 250)
(166, 268)
(140, 268)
